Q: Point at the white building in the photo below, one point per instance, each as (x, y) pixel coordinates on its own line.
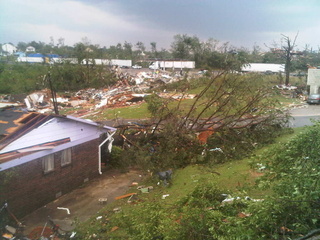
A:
(30, 49)
(8, 48)
(313, 80)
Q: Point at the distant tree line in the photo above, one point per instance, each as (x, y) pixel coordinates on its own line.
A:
(210, 54)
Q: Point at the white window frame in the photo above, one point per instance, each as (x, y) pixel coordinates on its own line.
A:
(66, 157)
(48, 163)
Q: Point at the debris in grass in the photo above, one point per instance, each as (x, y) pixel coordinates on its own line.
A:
(145, 189)
(114, 228)
(261, 167)
(125, 195)
(62, 208)
(116, 210)
(165, 195)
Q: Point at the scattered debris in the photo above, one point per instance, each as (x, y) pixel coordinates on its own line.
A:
(243, 215)
(145, 189)
(215, 149)
(284, 230)
(164, 196)
(62, 208)
(204, 135)
(114, 228)
(125, 196)
(130, 89)
(103, 200)
(286, 87)
(261, 167)
(134, 199)
(230, 200)
(116, 210)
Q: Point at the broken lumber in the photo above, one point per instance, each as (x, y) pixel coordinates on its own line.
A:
(124, 196)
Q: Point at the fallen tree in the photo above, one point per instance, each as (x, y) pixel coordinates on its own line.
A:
(230, 116)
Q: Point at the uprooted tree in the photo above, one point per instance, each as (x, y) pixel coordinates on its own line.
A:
(226, 101)
(231, 114)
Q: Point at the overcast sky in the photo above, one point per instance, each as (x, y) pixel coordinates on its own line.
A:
(242, 23)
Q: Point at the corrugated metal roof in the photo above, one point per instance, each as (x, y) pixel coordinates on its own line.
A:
(34, 132)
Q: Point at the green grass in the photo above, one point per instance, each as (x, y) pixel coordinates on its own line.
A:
(138, 111)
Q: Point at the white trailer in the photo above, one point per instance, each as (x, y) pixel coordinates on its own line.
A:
(112, 62)
(263, 68)
(121, 63)
(30, 59)
(172, 64)
(107, 62)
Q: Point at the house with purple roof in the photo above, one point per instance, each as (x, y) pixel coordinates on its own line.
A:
(44, 156)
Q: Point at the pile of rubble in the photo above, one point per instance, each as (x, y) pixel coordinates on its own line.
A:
(129, 90)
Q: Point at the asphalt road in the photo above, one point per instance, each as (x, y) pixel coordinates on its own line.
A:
(302, 116)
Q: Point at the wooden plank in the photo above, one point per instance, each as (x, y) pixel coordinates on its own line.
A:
(124, 196)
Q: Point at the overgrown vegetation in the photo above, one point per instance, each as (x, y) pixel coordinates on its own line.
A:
(18, 78)
(25, 78)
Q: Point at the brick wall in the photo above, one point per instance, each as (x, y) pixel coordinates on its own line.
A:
(28, 188)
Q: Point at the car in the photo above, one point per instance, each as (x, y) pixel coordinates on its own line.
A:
(313, 99)
(136, 66)
(203, 71)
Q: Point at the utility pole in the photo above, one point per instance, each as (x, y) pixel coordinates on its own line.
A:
(53, 94)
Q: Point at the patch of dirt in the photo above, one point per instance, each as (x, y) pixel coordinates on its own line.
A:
(256, 174)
